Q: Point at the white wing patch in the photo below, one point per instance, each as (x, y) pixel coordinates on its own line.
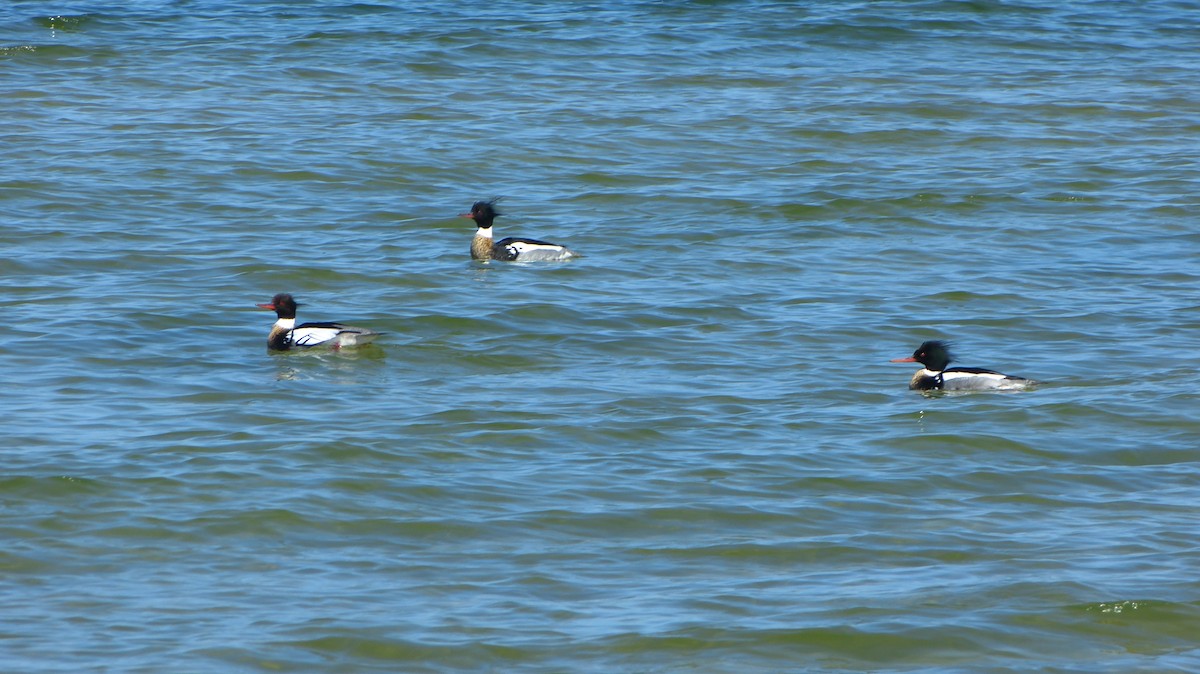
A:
(524, 250)
(314, 336)
(980, 381)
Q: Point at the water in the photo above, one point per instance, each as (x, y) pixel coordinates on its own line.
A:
(684, 452)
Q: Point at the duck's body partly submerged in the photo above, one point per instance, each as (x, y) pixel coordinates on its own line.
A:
(936, 376)
(285, 334)
(512, 249)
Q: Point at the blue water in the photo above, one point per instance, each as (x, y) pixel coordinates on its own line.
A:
(686, 451)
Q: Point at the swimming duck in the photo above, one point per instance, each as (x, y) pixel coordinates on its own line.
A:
(285, 334)
(511, 249)
(935, 356)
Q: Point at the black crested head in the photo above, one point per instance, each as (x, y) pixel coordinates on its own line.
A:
(283, 305)
(934, 354)
(483, 212)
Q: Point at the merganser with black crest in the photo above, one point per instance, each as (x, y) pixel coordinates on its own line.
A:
(285, 334)
(511, 249)
(935, 356)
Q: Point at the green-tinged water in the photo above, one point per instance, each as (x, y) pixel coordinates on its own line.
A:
(686, 451)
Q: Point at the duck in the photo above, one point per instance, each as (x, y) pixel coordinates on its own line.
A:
(512, 249)
(286, 335)
(935, 376)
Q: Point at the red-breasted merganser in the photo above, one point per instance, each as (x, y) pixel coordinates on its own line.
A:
(285, 334)
(935, 356)
(510, 249)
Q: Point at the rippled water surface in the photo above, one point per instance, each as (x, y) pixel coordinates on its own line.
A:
(686, 451)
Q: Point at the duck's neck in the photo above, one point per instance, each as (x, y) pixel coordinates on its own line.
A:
(926, 379)
(280, 336)
(481, 245)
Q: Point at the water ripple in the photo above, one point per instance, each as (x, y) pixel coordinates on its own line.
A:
(686, 450)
